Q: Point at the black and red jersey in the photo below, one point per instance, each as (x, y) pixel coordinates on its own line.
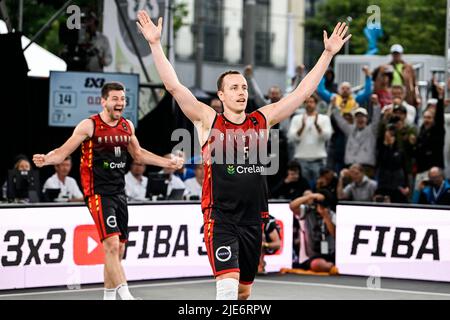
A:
(234, 186)
(103, 158)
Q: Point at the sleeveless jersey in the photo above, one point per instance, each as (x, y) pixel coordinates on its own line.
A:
(103, 158)
(235, 189)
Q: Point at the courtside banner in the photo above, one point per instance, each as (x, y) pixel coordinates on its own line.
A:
(408, 243)
(59, 246)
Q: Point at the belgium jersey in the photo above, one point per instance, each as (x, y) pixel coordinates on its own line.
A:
(234, 186)
(103, 158)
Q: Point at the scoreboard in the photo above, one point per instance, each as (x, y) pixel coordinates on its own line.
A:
(75, 96)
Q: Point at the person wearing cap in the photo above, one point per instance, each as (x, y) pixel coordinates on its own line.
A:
(361, 136)
(404, 75)
(320, 230)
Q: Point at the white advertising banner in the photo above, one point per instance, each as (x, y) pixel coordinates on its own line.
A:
(56, 246)
(408, 243)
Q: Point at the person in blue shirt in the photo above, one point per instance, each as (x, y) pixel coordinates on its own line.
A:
(436, 190)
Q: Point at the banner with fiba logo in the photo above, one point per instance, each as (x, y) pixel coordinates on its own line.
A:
(56, 246)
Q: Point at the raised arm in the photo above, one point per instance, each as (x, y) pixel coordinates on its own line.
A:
(82, 131)
(193, 109)
(144, 156)
(284, 108)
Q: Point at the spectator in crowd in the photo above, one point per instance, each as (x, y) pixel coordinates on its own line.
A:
(299, 75)
(336, 144)
(345, 100)
(320, 233)
(435, 190)
(330, 84)
(429, 148)
(391, 171)
(359, 188)
(328, 180)
(405, 139)
(174, 181)
(404, 75)
(86, 49)
(293, 185)
(136, 182)
(271, 242)
(194, 185)
(216, 104)
(361, 137)
(382, 77)
(310, 132)
(398, 99)
(96, 45)
(21, 163)
(69, 190)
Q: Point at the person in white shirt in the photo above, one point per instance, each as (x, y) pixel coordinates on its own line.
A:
(194, 185)
(70, 192)
(309, 132)
(136, 182)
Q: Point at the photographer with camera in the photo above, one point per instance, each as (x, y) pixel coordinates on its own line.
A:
(435, 190)
(320, 230)
(86, 49)
(22, 184)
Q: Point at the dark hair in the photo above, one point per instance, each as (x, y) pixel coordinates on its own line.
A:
(324, 171)
(110, 86)
(314, 97)
(294, 166)
(222, 76)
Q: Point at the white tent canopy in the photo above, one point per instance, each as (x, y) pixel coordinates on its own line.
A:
(40, 61)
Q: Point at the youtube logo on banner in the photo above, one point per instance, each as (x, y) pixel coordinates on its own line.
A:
(87, 248)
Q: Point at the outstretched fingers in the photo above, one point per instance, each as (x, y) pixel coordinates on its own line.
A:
(347, 37)
(336, 28)
(341, 29)
(344, 32)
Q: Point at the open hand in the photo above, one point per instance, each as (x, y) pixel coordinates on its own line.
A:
(335, 42)
(148, 29)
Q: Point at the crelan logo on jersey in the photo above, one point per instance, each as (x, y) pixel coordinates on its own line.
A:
(113, 165)
(231, 170)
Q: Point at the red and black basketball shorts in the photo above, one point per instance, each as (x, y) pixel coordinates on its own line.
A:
(110, 214)
(233, 248)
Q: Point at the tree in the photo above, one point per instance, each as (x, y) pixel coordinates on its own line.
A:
(418, 25)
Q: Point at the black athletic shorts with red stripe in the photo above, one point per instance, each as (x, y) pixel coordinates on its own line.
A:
(110, 214)
(233, 248)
